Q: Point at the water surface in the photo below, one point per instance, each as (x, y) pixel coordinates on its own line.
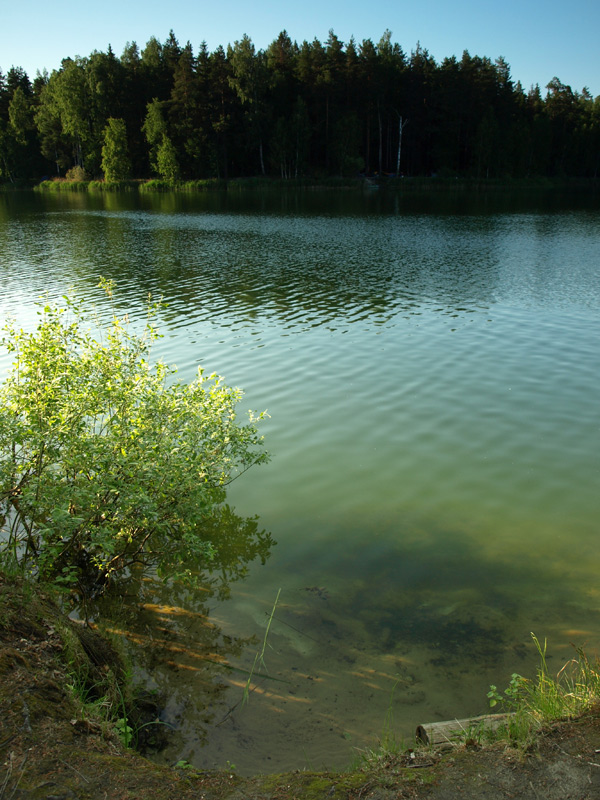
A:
(432, 375)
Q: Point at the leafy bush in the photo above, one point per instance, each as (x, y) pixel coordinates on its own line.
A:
(106, 462)
(76, 173)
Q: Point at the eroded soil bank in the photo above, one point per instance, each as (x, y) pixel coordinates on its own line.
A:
(51, 748)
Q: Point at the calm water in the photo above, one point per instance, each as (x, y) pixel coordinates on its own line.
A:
(433, 380)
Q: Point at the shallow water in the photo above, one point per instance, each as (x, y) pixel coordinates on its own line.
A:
(432, 375)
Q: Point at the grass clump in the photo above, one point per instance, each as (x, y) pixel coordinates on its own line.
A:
(534, 703)
(157, 185)
(112, 186)
(62, 185)
(391, 757)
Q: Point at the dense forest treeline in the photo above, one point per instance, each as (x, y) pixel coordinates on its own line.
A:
(290, 111)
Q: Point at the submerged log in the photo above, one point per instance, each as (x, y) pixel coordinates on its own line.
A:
(452, 732)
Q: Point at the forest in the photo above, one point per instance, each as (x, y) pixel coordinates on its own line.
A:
(309, 110)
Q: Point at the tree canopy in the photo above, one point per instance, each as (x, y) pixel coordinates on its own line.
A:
(309, 109)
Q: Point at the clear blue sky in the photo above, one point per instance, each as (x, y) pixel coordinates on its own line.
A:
(538, 38)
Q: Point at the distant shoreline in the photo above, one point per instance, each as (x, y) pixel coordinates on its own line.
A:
(362, 183)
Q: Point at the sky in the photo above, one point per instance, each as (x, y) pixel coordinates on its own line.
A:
(539, 39)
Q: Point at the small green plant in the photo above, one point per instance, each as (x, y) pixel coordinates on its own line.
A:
(512, 693)
(124, 730)
(128, 731)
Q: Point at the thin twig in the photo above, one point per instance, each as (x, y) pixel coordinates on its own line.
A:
(16, 786)
(74, 770)
(7, 777)
(8, 740)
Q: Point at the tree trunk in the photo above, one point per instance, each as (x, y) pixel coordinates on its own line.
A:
(368, 147)
(380, 139)
(401, 125)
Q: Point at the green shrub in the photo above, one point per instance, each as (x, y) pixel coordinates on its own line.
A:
(76, 174)
(106, 462)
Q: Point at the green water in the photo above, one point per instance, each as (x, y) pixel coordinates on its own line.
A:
(432, 372)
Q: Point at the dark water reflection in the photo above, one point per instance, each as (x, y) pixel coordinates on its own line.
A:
(177, 649)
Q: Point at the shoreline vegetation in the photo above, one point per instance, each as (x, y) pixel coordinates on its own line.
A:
(70, 721)
(360, 183)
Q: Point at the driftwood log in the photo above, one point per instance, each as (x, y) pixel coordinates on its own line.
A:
(448, 734)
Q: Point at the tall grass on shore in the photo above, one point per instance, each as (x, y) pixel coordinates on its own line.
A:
(529, 706)
(417, 185)
(533, 704)
(63, 185)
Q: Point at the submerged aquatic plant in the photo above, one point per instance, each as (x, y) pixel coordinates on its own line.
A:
(259, 658)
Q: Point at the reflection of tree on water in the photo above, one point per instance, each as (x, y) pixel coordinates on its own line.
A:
(166, 628)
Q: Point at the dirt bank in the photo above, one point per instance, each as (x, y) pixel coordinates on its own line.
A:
(51, 748)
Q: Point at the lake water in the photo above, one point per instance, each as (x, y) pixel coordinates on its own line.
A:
(432, 372)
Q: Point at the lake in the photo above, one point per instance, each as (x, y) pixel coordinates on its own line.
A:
(431, 368)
